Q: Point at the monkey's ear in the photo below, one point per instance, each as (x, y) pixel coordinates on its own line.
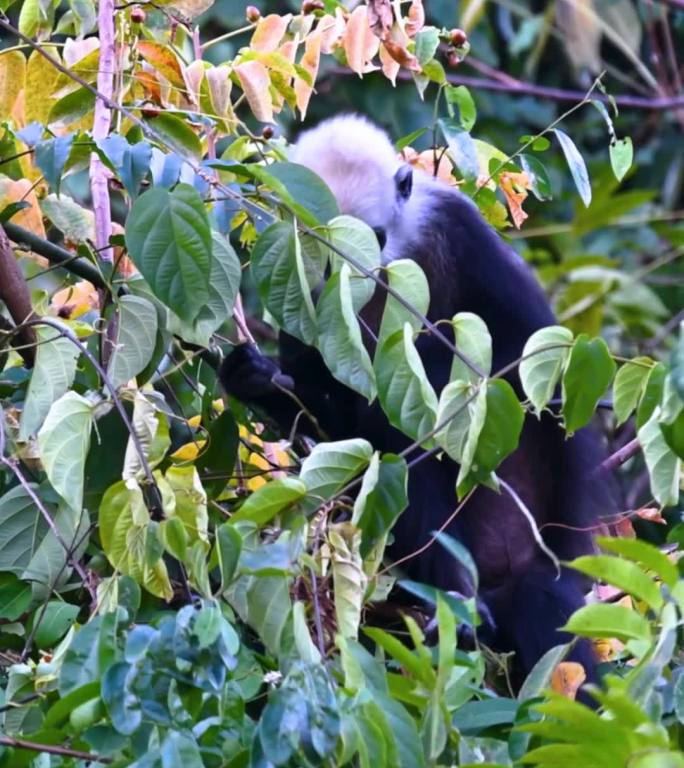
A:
(403, 180)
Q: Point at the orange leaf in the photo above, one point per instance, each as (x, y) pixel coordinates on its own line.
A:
(606, 648)
(415, 20)
(360, 44)
(567, 678)
(150, 84)
(331, 28)
(401, 55)
(426, 162)
(390, 67)
(255, 83)
(75, 300)
(269, 32)
(163, 59)
(310, 61)
(22, 191)
(193, 75)
(515, 186)
(652, 514)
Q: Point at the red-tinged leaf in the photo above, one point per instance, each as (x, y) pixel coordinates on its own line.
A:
(269, 32)
(390, 67)
(163, 59)
(380, 17)
(310, 61)
(255, 83)
(401, 55)
(331, 28)
(415, 19)
(360, 44)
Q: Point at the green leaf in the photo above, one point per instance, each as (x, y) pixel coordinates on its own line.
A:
(349, 580)
(539, 677)
(427, 42)
(538, 176)
(180, 749)
(54, 623)
(644, 553)
(131, 162)
(224, 284)
(677, 363)
(652, 394)
(589, 371)
(412, 662)
(382, 498)
(674, 434)
(123, 705)
(124, 528)
(36, 18)
(621, 156)
(74, 221)
(228, 549)
(217, 461)
(53, 374)
(460, 96)
(177, 134)
(135, 339)
(169, 239)
(303, 189)
(461, 148)
(406, 395)
(407, 278)
(663, 464)
(175, 538)
(283, 281)
(474, 342)
(629, 385)
(63, 442)
(340, 340)
(15, 595)
(72, 107)
(576, 164)
(20, 529)
(607, 620)
(460, 553)
(475, 716)
(541, 369)
(269, 500)
(455, 411)
(330, 466)
(357, 241)
(622, 574)
(501, 430)
(51, 156)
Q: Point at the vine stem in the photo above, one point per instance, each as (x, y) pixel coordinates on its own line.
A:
(53, 749)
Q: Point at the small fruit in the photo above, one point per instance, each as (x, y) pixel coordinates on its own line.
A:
(267, 132)
(458, 37)
(252, 13)
(150, 111)
(311, 6)
(138, 15)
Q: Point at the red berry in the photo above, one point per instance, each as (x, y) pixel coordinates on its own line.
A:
(150, 111)
(138, 15)
(267, 132)
(252, 13)
(311, 6)
(458, 37)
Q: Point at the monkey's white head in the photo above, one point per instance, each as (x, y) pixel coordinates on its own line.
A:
(357, 161)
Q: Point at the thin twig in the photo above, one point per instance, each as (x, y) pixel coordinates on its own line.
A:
(620, 456)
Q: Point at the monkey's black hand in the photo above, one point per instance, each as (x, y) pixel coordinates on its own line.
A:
(248, 375)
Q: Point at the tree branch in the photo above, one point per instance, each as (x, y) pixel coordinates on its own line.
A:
(53, 749)
(15, 293)
(54, 254)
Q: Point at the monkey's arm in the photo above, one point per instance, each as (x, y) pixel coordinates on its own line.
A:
(298, 390)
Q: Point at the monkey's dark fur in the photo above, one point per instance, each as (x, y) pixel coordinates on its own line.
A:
(469, 268)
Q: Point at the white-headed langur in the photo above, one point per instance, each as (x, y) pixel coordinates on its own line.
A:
(469, 268)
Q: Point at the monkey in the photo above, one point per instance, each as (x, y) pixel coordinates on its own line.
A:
(469, 267)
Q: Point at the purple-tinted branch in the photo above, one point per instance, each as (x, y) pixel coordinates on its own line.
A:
(99, 188)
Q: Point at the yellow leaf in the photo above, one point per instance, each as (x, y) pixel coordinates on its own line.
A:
(567, 678)
(163, 59)
(310, 61)
(255, 83)
(41, 81)
(75, 300)
(15, 191)
(269, 32)
(12, 79)
(360, 44)
(195, 421)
